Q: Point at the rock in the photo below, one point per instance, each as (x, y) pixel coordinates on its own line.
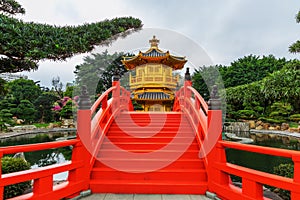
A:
(68, 123)
(22, 128)
(293, 129)
(258, 123)
(260, 127)
(285, 126)
(50, 125)
(272, 136)
(272, 128)
(19, 155)
(266, 126)
(278, 128)
(252, 124)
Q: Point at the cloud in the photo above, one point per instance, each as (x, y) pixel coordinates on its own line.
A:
(226, 30)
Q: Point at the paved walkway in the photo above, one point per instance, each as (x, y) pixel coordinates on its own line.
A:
(144, 197)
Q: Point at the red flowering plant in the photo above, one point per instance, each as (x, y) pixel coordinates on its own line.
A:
(66, 107)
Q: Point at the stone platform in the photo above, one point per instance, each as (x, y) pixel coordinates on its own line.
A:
(143, 197)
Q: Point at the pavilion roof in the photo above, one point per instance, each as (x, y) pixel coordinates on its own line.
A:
(154, 55)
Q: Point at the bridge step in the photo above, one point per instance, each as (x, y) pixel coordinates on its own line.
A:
(160, 158)
(148, 187)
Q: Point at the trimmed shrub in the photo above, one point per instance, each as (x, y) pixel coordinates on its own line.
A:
(272, 121)
(9, 165)
(246, 114)
(285, 170)
(295, 117)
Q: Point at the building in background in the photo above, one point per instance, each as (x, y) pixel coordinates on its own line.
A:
(151, 79)
(11, 77)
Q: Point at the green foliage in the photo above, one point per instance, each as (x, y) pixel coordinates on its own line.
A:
(295, 48)
(250, 69)
(68, 110)
(24, 44)
(11, 7)
(5, 118)
(3, 89)
(246, 114)
(23, 89)
(280, 110)
(285, 170)
(295, 117)
(70, 91)
(25, 111)
(97, 70)
(10, 165)
(205, 77)
(44, 104)
(271, 120)
(137, 106)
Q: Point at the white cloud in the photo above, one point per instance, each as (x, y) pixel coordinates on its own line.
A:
(227, 30)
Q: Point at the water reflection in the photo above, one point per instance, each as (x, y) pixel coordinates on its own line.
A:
(44, 157)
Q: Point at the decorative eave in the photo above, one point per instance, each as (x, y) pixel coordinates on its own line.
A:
(154, 55)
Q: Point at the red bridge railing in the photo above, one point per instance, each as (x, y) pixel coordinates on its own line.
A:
(207, 123)
(92, 124)
(43, 177)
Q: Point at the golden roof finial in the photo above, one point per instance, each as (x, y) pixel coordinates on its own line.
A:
(154, 42)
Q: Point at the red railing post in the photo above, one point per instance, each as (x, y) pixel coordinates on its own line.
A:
(214, 135)
(187, 82)
(42, 185)
(296, 160)
(1, 187)
(80, 152)
(116, 92)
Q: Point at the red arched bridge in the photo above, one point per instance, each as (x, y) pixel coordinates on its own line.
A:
(118, 150)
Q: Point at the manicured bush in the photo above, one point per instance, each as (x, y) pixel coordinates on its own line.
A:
(272, 121)
(286, 170)
(9, 165)
(295, 117)
(246, 114)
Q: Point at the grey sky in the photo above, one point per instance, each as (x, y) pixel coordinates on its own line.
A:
(226, 30)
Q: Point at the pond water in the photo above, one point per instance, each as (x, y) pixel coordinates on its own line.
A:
(261, 162)
(44, 157)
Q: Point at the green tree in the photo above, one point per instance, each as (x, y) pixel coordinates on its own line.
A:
(9, 165)
(3, 89)
(97, 70)
(68, 110)
(249, 69)
(295, 48)
(23, 44)
(205, 77)
(284, 85)
(25, 111)
(44, 104)
(23, 89)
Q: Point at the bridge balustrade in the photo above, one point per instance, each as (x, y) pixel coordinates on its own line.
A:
(43, 177)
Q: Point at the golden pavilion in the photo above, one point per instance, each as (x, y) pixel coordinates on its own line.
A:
(151, 77)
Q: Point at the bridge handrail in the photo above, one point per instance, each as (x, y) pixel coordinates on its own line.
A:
(37, 146)
(260, 149)
(101, 99)
(196, 109)
(102, 116)
(43, 176)
(253, 180)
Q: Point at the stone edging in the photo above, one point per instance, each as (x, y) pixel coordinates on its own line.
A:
(35, 131)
